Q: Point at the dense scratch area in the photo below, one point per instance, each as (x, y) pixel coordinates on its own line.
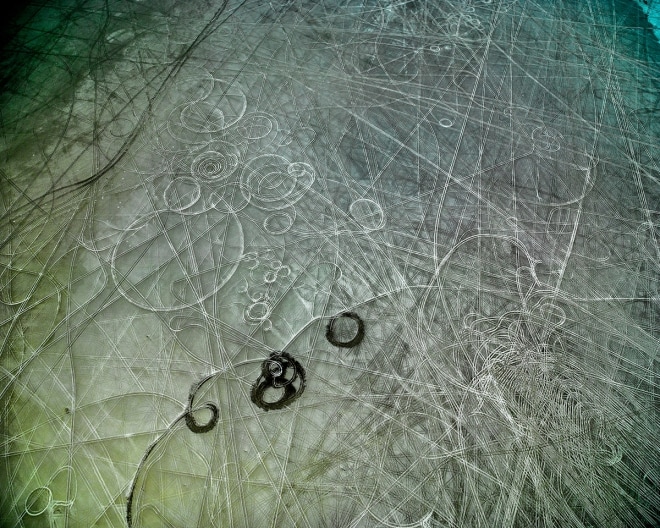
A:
(329, 263)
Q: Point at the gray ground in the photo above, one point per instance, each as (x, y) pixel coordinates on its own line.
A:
(189, 187)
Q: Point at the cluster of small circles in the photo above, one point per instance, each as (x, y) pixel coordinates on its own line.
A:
(266, 272)
(274, 273)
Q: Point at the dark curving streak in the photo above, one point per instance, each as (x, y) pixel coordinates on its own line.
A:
(54, 192)
(188, 416)
(129, 500)
(191, 424)
(273, 375)
(355, 341)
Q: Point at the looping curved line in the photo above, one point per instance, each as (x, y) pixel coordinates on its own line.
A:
(196, 428)
(268, 380)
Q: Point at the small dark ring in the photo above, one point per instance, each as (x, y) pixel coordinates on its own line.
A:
(205, 428)
(355, 341)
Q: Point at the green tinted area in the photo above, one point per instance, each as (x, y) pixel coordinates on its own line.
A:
(359, 263)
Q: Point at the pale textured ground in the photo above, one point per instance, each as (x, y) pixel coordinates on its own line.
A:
(187, 188)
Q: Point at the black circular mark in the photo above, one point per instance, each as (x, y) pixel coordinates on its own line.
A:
(279, 372)
(203, 428)
(330, 331)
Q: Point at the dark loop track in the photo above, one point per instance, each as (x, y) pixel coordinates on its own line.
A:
(330, 331)
(280, 372)
(204, 428)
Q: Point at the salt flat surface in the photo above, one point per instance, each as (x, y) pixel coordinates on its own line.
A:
(314, 263)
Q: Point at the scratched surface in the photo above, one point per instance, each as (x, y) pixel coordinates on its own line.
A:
(353, 263)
